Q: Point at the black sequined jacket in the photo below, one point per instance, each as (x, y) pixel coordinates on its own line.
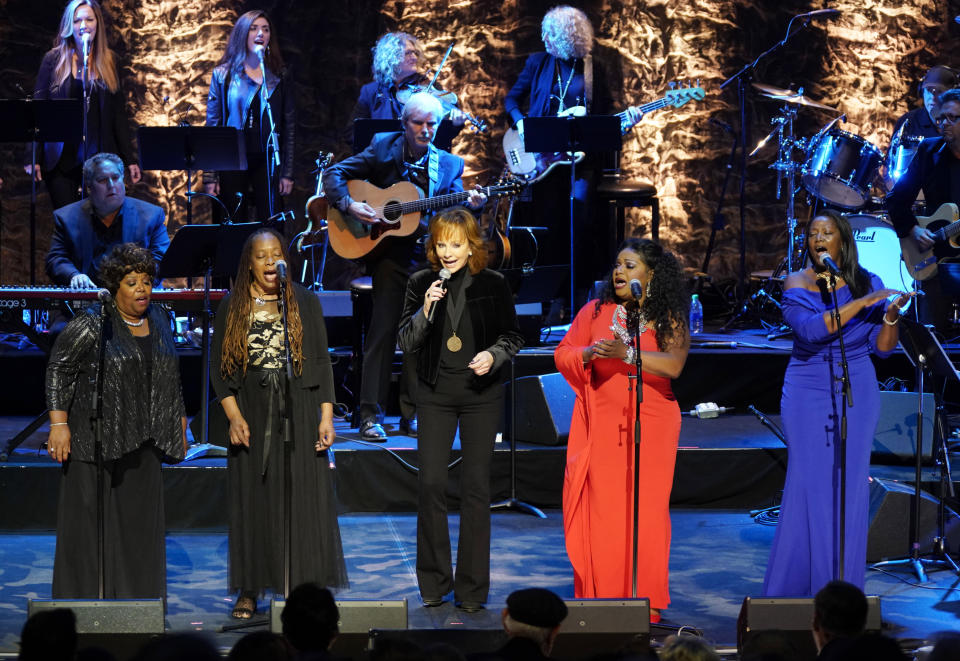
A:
(136, 410)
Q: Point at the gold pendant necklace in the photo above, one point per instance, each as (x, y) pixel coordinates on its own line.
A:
(454, 343)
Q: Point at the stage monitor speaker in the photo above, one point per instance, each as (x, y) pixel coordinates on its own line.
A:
(544, 408)
(468, 641)
(358, 617)
(891, 511)
(895, 440)
(765, 622)
(594, 626)
(120, 626)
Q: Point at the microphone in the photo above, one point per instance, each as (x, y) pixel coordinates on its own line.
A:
(706, 410)
(636, 289)
(281, 267)
(85, 39)
(821, 13)
(104, 296)
(444, 275)
(259, 50)
(831, 265)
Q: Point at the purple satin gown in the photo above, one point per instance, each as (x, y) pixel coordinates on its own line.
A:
(805, 552)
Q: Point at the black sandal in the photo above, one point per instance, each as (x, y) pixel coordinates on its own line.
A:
(245, 607)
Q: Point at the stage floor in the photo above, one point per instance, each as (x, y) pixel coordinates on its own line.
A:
(717, 558)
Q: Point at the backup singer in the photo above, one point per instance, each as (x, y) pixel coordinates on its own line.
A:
(805, 552)
(411, 156)
(143, 425)
(460, 349)
(60, 77)
(596, 357)
(235, 99)
(248, 375)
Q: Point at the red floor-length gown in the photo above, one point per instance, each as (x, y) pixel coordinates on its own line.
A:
(598, 486)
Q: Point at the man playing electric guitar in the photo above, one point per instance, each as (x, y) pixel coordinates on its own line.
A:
(390, 158)
(935, 170)
(570, 73)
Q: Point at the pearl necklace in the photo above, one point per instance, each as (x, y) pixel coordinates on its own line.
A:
(135, 324)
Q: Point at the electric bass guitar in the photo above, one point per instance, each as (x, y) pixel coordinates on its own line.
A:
(534, 166)
(945, 225)
(399, 210)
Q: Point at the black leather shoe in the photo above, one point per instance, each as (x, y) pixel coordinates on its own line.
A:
(371, 431)
(432, 603)
(470, 606)
(409, 427)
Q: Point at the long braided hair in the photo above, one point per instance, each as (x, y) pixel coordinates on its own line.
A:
(667, 303)
(234, 355)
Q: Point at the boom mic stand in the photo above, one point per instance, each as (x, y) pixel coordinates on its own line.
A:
(636, 381)
(273, 140)
(97, 409)
(285, 416)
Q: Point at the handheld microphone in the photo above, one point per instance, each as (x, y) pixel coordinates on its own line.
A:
(281, 267)
(104, 296)
(821, 13)
(444, 275)
(636, 289)
(831, 265)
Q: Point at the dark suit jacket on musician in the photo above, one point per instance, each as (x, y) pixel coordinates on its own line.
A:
(936, 172)
(493, 319)
(381, 163)
(71, 246)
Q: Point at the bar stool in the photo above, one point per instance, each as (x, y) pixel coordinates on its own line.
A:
(619, 194)
(361, 299)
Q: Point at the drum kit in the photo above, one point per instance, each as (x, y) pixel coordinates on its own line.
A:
(844, 171)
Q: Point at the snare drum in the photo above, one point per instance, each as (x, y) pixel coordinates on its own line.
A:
(840, 168)
(878, 249)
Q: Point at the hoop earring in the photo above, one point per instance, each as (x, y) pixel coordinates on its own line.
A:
(649, 288)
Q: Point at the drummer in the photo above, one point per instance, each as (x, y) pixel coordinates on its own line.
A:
(921, 121)
(935, 170)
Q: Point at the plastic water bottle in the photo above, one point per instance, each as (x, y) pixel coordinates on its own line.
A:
(696, 315)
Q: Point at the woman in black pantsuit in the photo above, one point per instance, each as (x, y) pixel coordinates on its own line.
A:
(460, 353)
(143, 425)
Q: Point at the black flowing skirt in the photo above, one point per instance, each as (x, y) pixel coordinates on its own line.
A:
(256, 475)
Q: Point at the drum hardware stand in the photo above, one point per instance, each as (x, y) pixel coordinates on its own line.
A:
(925, 353)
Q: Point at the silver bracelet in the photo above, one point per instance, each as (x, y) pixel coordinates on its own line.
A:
(57, 424)
(891, 323)
(631, 355)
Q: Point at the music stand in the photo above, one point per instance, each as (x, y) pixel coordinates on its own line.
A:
(205, 250)
(192, 148)
(365, 129)
(928, 357)
(596, 133)
(33, 121)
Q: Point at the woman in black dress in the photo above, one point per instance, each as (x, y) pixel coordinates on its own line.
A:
(249, 375)
(460, 350)
(143, 425)
(60, 77)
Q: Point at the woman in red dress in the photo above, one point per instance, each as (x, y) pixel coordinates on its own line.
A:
(596, 357)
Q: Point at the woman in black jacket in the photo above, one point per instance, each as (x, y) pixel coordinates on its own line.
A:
(236, 99)
(463, 329)
(60, 77)
(143, 425)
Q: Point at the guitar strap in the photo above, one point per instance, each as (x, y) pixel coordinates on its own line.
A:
(433, 169)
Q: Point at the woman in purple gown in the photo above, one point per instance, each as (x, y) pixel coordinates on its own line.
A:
(805, 552)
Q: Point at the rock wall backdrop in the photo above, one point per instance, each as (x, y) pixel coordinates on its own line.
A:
(867, 64)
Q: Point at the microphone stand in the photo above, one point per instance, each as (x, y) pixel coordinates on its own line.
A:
(97, 416)
(85, 83)
(273, 140)
(285, 414)
(847, 402)
(636, 381)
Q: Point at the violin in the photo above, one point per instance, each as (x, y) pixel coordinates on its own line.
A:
(447, 99)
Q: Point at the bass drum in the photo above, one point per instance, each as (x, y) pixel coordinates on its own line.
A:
(840, 169)
(878, 249)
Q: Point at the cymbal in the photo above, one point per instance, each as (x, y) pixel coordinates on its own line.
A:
(789, 96)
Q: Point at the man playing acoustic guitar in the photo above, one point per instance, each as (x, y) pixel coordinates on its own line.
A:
(410, 156)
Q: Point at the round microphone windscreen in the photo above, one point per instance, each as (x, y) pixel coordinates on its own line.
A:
(444, 274)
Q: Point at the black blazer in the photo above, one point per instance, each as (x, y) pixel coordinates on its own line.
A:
(489, 304)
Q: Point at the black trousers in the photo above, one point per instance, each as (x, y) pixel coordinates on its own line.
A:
(441, 409)
(134, 529)
(63, 185)
(389, 278)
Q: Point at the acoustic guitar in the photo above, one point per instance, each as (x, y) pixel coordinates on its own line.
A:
(945, 225)
(534, 166)
(400, 210)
